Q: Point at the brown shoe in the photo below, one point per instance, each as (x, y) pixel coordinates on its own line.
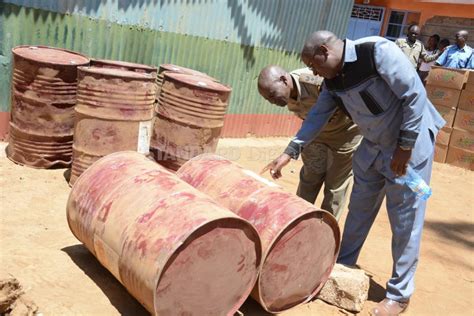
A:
(389, 307)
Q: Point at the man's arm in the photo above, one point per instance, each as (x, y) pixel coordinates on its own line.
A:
(441, 61)
(405, 83)
(427, 57)
(317, 118)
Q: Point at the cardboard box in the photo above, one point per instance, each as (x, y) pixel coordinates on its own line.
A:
(448, 113)
(443, 96)
(462, 140)
(460, 158)
(443, 136)
(441, 152)
(464, 120)
(470, 80)
(448, 77)
(466, 100)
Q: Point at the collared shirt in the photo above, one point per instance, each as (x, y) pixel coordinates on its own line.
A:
(424, 66)
(414, 51)
(398, 112)
(455, 57)
(340, 131)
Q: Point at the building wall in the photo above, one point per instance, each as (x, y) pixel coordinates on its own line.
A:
(427, 9)
(446, 27)
(231, 40)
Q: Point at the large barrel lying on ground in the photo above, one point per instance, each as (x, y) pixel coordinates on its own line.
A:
(300, 242)
(173, 248)
(44, 84)
(113, 113)
(125, 65)
(189, 118)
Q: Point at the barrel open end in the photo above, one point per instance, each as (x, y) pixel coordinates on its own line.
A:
(226, 251)
(295, 269)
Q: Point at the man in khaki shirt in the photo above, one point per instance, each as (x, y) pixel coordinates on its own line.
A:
(328, 158)
(413, 48)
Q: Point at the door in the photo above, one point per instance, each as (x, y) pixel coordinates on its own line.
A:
(365, 21)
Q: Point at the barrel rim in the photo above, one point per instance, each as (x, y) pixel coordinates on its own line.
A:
(197, 231)
(196, 82)
(15, 52)
(184, 70)
(311, 212)
(113, 73)
(112, 62)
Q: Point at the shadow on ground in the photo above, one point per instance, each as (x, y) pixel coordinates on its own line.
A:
(116, 293)
(376, 291)
(458, 232)
(252, 308)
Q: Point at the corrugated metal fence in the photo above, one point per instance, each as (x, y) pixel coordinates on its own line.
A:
(231, 40)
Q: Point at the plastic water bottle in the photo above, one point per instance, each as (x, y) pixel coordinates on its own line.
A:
(415, 183)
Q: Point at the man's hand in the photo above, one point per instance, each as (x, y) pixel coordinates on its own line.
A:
(276, 165)
(400, 160)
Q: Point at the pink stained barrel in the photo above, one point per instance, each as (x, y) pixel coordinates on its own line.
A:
(189, 117)
(300, 242)
(173, 248)
(114, 112)
(43, 96)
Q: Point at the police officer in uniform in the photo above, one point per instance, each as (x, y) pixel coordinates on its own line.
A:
(376, 84)
(327, 159)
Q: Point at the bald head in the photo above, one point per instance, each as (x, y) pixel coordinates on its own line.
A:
(316, 40)
(275, 85)
(322, 53)
(269, 75)
(461, 38)
(413, 32)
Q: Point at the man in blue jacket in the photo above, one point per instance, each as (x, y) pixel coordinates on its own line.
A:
(373, 82)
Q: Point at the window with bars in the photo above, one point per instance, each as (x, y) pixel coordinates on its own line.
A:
(367, 13)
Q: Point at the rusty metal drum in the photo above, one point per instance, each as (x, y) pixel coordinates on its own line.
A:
(113, 113)
(188, 119)
(170, 68)
(300, 242)
(125, 65)
(43, 96)
(174, 249)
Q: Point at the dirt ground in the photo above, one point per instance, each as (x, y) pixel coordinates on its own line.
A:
(63, 278)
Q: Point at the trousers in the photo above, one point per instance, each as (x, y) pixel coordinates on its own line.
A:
(322, 164)
(406, 213)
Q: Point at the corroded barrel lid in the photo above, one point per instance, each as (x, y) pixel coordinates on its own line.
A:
(107, 63)
(197, 82)
(183, 70)
(116, 73)
(50, 55)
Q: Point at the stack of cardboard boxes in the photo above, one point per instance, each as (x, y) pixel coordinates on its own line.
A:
(452, 93)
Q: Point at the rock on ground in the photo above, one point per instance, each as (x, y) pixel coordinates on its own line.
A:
(13, 301)
(346, 288)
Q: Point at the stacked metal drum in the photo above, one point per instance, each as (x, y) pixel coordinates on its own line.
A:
(114, 112)
(44, 86)
(188, 119)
